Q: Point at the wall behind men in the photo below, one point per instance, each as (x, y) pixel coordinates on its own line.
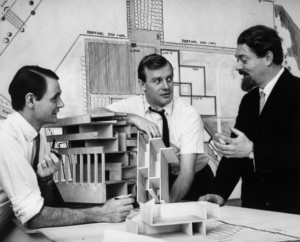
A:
(197, 36)
(51, 34)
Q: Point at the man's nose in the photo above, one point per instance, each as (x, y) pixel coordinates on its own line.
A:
(238, 66)
(60, 103)
(165, 84)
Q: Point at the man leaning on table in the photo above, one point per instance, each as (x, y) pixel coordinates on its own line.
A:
(264, 149)
(25, 166)
(158, 114)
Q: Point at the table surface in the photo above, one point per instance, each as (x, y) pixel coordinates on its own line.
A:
(234, 224)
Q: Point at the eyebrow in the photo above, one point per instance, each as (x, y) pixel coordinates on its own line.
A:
(155, 78)
(240, 56)
(57, 94)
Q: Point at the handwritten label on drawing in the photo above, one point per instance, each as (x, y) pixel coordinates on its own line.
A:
(134, 50)
(187, 41)
(164, 52)
(4, 111)
(5, 102)
(3, 3)
(95, 32)
(100, 33)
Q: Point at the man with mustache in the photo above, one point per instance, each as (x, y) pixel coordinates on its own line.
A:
(27, 163)
(185, 136)
(264, 148)
(247, 83)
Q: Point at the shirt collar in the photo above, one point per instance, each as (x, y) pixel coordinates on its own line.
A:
(28, 131)
(168, 108)
(269, 87)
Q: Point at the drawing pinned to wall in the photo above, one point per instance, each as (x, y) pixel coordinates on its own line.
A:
(287, 22)
(173, 57)
(195, 22)
(14, 18)
(196, 76)
(177, 92)
(112, 70)
(54, 39)
(205, 105)
(148, 15)
(221, 79)
(5, 107)
(186, 90)
(192, 86)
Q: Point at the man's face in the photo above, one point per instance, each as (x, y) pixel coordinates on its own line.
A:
(249, 65)
(158, 87)
(48, 106)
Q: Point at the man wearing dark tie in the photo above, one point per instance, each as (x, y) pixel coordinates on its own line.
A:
(158, 114)
(264, 148)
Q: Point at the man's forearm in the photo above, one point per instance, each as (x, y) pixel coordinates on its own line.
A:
(202, 161)
(52, 217)
(130, 118)
(181, 186)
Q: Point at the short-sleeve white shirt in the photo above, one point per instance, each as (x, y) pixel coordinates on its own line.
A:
(184, 122)
(19, 190)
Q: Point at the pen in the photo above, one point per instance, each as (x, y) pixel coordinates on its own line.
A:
(53, 149)
(53, 144)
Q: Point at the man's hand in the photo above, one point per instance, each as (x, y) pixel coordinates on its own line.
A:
(48, 166)
(146, 126)
(214, 198)
(237, 147)
(116, 210)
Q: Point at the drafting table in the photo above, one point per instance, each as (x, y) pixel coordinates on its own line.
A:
(235, 224)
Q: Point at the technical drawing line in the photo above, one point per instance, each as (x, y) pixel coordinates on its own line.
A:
(262, 230)
(86, 35)
(67, 53)
(11, 21)
(14, 20)
(12, 16)
(12, 5)
(16, 16)
(19, 29)
(223, 232)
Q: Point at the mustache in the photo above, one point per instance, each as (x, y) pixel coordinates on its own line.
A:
(241, 72)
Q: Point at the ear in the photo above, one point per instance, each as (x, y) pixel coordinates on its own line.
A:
(142, 85)
(269, 57)
(30, 100)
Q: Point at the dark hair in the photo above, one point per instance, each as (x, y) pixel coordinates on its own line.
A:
(261, 39)
(29, 79)
(151, 62)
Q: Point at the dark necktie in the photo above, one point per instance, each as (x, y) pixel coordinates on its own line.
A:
(49, 190)
(37, 151)
(165, 138)
(165, 128)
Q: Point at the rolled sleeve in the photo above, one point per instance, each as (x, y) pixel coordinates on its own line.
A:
(19, 182)
(192, 136)
(133, 105)
(27, 206)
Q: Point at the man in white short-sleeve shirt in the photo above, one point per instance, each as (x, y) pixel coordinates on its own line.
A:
(193, 175)
(35, 94)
